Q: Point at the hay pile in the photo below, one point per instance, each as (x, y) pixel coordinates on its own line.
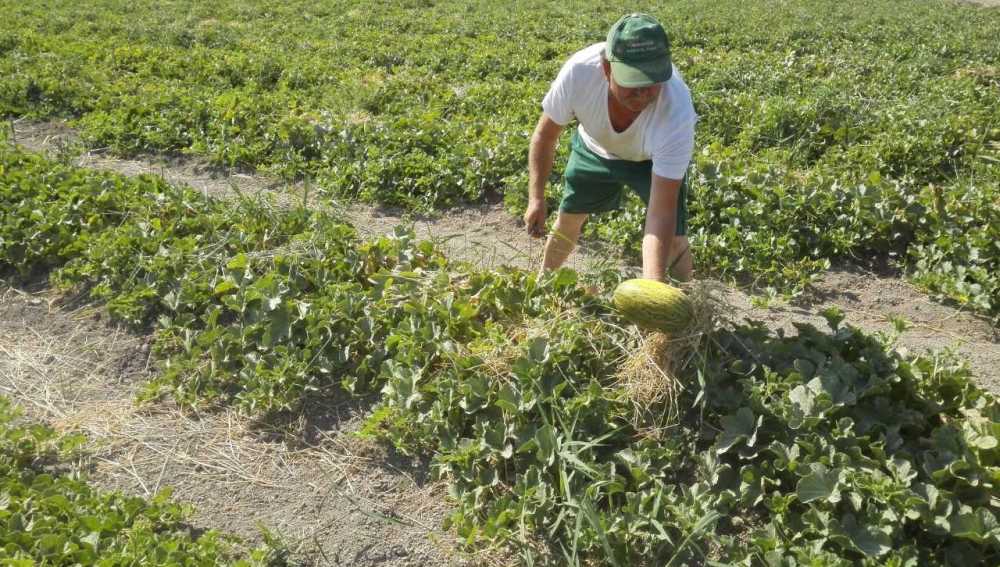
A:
(651, 373)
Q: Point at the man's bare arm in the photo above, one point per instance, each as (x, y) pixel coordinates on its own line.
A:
(541, 155)
(661, 227)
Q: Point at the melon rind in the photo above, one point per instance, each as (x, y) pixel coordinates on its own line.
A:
(654, 305)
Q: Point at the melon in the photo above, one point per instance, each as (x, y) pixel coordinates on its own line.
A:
(654, 305)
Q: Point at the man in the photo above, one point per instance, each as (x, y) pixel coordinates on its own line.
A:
(636, 128)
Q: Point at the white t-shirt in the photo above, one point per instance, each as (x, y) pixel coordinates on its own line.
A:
(663, 131)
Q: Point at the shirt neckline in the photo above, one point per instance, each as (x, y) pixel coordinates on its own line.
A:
(607, 112)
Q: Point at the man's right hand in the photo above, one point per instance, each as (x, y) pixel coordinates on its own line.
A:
(534, 218)
(541, 154)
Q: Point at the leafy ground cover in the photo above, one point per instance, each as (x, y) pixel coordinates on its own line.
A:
(836, 132)
(49, 515)
(827, 447)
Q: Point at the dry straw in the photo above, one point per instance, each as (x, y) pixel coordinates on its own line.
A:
(652, 374)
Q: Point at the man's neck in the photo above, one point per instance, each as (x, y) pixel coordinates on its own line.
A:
(621, 117)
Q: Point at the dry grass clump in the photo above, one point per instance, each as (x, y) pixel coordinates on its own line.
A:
(497, 354)
(651, 375)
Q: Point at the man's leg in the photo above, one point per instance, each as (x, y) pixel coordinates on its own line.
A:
(589, 187)
(563, 239)
(680, 263)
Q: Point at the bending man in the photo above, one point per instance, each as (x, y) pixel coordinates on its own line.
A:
(636, 129)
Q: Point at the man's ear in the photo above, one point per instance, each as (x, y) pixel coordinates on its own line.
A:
(606, 65)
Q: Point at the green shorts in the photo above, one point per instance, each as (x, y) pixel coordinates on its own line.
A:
(593, 184)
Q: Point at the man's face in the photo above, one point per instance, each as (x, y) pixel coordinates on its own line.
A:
(634, 99)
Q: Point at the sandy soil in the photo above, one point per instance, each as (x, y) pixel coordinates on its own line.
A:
(334, 499)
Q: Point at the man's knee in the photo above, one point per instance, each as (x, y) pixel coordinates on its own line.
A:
(681, 262)
(568, 226)
(562, 240)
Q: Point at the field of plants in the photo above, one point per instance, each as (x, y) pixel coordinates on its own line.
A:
(826, 447)
(830, 132)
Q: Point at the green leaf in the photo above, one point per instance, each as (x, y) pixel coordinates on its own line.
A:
(538, 350)
(93, 539)
(870, 540)
(837, 380)
(805, 368)
(224, 287)
(277, 328)
(977, 526)
(565, 278)
(833, 315)
(803, 398)
(547, 444)
(737, 427)
(820, 484)
(507, 399)
(239, 262)
(51, 543)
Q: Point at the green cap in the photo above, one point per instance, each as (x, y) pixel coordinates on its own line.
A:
(639, 51)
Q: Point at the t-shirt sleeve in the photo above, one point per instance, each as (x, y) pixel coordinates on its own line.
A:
(558, 103)
(672, 156)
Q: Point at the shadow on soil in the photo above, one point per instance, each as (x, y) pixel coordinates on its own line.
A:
(333, 413)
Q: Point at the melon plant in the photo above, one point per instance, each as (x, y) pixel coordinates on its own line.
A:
(654, 305)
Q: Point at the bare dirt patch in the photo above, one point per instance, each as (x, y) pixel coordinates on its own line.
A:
(333, 499)
(871, 302)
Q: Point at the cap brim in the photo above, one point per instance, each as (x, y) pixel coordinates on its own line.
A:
(641, 74)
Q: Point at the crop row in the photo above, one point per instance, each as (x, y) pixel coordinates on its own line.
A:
(51, 516)
(836, 132)
(826, 447)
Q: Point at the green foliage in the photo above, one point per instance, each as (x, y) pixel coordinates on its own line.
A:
(53, 518)
(826, 447)
(48, 207)
(957, 258)
(856, 447)
(820, 130)
(821, 443)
